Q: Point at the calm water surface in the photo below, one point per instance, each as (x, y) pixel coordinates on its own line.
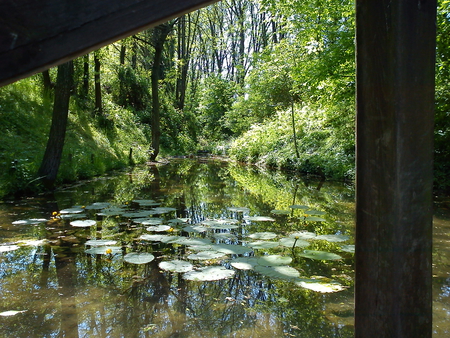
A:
(63, 287)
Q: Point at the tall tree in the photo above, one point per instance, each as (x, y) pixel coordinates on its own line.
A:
(53, 152)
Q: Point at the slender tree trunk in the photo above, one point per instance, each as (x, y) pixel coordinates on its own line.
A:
(98, 88)
(86, 75)
(52, 157)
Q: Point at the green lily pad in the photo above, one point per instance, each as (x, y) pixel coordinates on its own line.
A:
(244, 263)
(290, 242)
(209, 273)
(154, 238)
(146, 203)
(333, 238)
(136, 214)
(315, 219)
(225, 236)
(205, 255)
(33, 242)
(297, 206)
(151, 221)
(32, 221)
(282, 272)
(163, 210)
(231, 249)
(239, 209)
(111, 211)
(138, 257)
(193, 241)
(314, 212)
(176, 265)
(178, 221)
(322, 287)
(195, 228)
(303, 235)
(159, 228)
(76, 210)
(320, 255)
(104, 250)
(221, 224)
(83, 224)
(348, 248)
(263, 245)
(263, 235)
(259, 219)
(98, 206)
(100, 242)
(280, 212)
(6, 248)
(171, 239)
(274, 260)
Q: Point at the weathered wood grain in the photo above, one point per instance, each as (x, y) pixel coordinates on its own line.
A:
(38, 34)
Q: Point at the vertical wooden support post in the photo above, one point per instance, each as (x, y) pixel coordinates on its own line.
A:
(395, 99)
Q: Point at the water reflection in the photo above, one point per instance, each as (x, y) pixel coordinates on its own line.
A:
(66, 292)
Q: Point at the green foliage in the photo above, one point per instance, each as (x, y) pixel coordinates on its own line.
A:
(324, 149)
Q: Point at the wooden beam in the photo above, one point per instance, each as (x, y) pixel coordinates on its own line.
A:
(38, 34)
(395, 110)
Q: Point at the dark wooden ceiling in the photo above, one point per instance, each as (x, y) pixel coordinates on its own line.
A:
(38, 34)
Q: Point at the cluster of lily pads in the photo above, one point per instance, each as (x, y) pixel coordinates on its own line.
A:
(208, 242)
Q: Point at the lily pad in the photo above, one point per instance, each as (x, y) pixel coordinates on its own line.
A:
(314, 212)
(159, 228)
(205, 255)
(98, 206)
(76, 210)
(195, 228)
(244, 263)
(176, 265)
(154, 238)
(100, 242)
(209, 273)
(104, 250)
(315, 219)
(239, 209)
(32, 221)
(280, 212)
(303, 235)
(163, 210)
(6, 248)
(146, 203)
(225, 236)
(320, 255)
(263, 245)
(274, 260)
(333, 238)
(33, 242)
(231, 249)
(83, 224)
(290, 242)
(263, 235)
(10, 313)
(138, 257)
(179, 221)
(193, 241)
(151, 221)
(348, 248)
(322, 287)
(111, 211)
(259, 219)
(283, 272)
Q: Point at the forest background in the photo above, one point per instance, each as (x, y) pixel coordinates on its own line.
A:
(261, 81)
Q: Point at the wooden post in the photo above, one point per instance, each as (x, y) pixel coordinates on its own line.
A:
(395, 99)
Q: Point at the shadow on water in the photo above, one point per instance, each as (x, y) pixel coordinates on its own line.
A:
(242, 220)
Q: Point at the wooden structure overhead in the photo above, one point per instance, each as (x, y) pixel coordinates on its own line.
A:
(395, 113)
(38, 34)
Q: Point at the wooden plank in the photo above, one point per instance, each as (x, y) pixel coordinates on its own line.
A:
(38, 34)
(395, 110)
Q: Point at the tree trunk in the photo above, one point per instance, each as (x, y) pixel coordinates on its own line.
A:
(53, 152)
(98, 88)
(159, 37)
